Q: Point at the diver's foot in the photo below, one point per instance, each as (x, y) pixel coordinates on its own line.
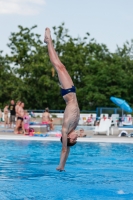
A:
(47, 36)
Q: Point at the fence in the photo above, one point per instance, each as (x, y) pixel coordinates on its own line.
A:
(110, 111)
(61, 111)
(98, 111)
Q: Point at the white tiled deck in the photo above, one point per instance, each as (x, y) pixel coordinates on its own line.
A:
(87, 139)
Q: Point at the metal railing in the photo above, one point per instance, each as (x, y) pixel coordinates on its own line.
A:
(61, 111)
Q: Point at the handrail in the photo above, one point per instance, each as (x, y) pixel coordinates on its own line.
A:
(61, 111)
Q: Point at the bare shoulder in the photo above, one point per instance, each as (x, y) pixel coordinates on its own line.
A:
(44, 114)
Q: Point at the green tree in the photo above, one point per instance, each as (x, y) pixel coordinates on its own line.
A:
(97, 73)
(32, 66)
(8, 81)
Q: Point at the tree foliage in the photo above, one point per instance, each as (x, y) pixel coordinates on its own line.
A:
(8, 81)
(27, 73)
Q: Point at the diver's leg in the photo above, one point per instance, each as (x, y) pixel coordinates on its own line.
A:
(64, 78)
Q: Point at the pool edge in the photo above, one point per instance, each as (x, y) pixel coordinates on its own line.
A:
(89, 139)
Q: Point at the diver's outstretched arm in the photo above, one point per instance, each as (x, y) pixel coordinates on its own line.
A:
(64, 152)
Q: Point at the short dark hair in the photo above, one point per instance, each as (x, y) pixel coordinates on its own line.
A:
(46, 109)
(69, 144)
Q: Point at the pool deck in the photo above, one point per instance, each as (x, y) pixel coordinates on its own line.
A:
(99, 138)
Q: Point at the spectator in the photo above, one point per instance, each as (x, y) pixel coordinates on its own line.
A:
(20, 115)
(90, 120)
(12, 113)
(1, 115)
(6, 119)
(46, 119)
(82, 133)
(26, 122)
(104, 117)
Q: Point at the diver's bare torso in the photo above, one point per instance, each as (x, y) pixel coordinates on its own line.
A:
(72, 112)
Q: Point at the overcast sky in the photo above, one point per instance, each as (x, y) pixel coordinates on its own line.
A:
(108, 21)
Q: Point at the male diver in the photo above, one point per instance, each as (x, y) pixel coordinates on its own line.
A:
(72, 112)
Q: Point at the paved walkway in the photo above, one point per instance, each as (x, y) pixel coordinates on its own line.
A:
(7, 134)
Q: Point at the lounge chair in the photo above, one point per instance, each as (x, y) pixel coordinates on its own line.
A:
(115, 119)
(127, 128)
(104, 126)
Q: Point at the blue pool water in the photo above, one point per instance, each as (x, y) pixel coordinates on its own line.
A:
(94, 171)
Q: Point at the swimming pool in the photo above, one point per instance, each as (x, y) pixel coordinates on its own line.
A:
(93, 171)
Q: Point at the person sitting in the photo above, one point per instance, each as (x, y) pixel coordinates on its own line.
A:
(81, 133)
(104, 117)
(46, 119)
(90, 120)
